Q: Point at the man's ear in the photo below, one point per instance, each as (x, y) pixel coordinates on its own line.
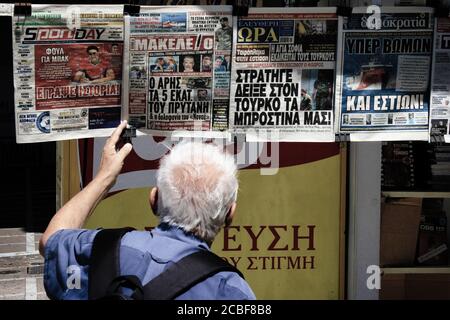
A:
(230, 214)
(153, 200)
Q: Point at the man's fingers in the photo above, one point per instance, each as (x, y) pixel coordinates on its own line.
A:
(116, 134)
(125, 151)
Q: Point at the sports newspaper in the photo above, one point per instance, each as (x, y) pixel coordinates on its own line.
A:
(383, 91)
(177, 70)
(283, 74)
(67, 72)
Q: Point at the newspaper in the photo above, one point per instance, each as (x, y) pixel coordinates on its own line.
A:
(440, 82)
(283, 74)
(6, 9)
(383, 91)
(67, 72)
(177, 70)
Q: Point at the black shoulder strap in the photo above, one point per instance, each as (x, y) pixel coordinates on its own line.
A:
(104, 264)
(184, 274)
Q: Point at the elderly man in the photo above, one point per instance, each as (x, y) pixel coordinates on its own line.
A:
(194, 198)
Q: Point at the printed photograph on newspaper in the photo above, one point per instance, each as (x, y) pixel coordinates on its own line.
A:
(283, 74)
(67, 72)
(440, 81)
(382, 92)
(177, 70)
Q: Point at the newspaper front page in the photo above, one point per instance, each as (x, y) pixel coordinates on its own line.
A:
(177, 70)
(440, 82)
(67, 72)
(383, 91)
(283, 74)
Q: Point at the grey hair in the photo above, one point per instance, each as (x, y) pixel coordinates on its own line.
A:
(197, 185)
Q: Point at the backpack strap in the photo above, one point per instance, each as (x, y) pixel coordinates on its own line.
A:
(184, 274)
(104, 264)
(179, 277)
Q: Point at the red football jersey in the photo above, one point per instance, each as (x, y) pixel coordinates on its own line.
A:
(96, 71)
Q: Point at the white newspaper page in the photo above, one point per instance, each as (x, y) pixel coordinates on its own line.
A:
(440, 82)
(6, 9)
(382, 91)
(283, 74)
(177, 70)
(67, 72)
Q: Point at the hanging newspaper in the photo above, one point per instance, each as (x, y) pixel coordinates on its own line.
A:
(67, 72)
(383, 91)
(283, 74)
(6, 9)
(440, 83)
(176, 76)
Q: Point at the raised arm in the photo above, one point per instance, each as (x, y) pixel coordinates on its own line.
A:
(75, 212)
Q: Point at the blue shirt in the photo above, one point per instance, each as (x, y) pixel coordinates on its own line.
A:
(142, 253)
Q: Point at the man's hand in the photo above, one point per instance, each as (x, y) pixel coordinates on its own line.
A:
(74, 213)
(112, 159)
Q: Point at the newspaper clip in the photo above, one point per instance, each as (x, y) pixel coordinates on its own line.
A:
(344, 11)
(437, 139)
(6, 9)
(342, 137)
(22, 9)
(297, 3)
(238, 138)
(127, 134)
(441, 10)
(240, 8)
(132, 9)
